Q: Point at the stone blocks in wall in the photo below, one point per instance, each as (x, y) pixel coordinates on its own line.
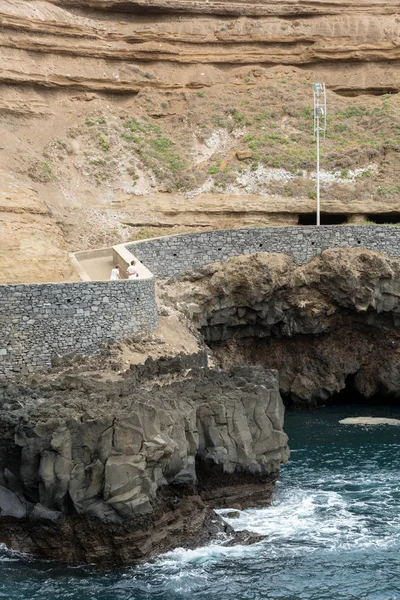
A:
(41, 321)
(172, 256)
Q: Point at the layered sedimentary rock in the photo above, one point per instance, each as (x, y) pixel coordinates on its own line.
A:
(120, 470)
(188, 33)
(331, 321)
(119, 113)
(32, 245)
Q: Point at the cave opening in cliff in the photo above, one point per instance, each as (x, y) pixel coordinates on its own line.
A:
(351, 395)
(384, 218)
(356, 359)
(369, 91)
(326, 219)
(347, 396)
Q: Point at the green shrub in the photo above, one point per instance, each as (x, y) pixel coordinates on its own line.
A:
(104, 143)
(162, 144)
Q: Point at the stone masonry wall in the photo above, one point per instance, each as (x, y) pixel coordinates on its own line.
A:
(42, 321)
(172, 256)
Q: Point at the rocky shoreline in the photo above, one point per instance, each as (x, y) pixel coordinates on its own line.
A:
(121, 470)
(107, 460)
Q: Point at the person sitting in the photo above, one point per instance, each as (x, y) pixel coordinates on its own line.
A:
(132, 270)
(115, 273)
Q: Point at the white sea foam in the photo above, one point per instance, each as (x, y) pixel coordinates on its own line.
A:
(205, 554)
(301, 518)
(7, 555)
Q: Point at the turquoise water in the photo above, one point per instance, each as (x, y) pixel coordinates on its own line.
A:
(333, 532)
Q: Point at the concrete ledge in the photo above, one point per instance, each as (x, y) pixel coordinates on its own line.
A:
(95, 253)
(78, 267)
(102, 260)
(123, 257)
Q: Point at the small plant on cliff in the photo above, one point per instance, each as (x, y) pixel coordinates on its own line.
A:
(145, 127)
(214, 169)
(163, 151)
(104, 143)
(239, 117)
(91, 121)
(219, 121)
(340, 127)
(162, 144)
(365, 173)
(388, 190)
(48, 170)
(130, 137)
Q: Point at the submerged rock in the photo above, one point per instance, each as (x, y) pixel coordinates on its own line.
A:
(369, 421)
(232, 514)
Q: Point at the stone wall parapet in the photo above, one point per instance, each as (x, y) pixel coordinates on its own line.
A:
(40, 322)
(172, 256)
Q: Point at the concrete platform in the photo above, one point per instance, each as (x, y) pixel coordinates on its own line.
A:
(96, 265)
(98, 268)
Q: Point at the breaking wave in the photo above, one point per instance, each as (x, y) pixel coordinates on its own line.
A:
(333, 532)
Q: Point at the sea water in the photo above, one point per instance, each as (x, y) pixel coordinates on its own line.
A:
(333, 532)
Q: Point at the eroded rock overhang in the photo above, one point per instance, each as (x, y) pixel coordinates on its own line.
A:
(330, 323)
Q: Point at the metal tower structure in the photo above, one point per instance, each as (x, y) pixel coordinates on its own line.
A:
(319, 128)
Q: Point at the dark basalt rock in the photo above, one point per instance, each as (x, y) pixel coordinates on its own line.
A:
(122, 470)
(324, 325)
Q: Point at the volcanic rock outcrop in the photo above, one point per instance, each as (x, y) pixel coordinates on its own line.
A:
(332, 321)
(123, 469)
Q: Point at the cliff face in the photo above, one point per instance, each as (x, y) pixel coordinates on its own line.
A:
(114, 115)
(120, 470)
(328, 322)
(180, 33)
